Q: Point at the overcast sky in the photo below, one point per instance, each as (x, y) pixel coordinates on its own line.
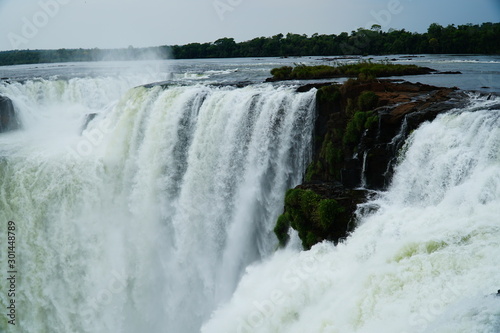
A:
(46, 24)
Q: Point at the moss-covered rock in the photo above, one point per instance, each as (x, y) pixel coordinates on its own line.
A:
(367, 100)
(281, 229)
(358, 133)
(318, 212)
(358, 128)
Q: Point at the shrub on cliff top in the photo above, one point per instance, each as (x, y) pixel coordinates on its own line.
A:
(281, 73)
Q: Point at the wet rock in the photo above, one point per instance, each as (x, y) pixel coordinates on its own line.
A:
(319, 211)
(366, 141)
(449, 72)
(88, 118)
(8, 117)
(360, 128)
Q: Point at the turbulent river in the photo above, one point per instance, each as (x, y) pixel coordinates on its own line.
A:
(156, 214)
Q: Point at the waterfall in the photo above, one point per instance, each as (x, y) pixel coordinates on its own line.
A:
(147, 220)
(426, 261)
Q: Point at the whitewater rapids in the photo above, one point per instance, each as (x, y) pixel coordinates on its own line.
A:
(158, 216)
(426, 261)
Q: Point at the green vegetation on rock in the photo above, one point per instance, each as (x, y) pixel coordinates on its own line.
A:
(281, 73)
(360, 122)
(362, 119)
(367, 100)
(281, 229)
(345, 112)
(353, 145)
(314, 217)
(312, 170)
(328, 94)
(365, 69)
(328, 210)
(333, 156)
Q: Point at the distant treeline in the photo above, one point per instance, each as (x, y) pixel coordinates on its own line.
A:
(66, 55)
(462, 39)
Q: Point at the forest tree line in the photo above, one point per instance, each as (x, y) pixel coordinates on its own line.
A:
(461, 39)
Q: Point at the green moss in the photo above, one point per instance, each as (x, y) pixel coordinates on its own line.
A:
(313, 170)
(329, 94)
(312, 216)
(328, 210)
(319, 166)
(330, 155)
(310, 171)
(281, 73)
(356, 126)
(292, 197)
(365, 70)
(337, 134)
(281, 229)
(370, 121)
(366, 77)
(367, 100)
(350, 109)
(310, 240)
(333, 157)
(349, 84)
(309, 200)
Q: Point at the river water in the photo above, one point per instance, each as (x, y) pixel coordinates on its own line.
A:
(158, 215)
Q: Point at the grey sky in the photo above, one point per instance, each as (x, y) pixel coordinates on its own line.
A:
(28, 24)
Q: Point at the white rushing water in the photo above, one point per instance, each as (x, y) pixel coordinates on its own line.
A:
(426, 261)
(146, 221)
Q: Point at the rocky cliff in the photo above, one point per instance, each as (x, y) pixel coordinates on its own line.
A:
(360, 128)
(8, 117)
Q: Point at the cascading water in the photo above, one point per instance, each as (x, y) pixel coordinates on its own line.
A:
(426, 261)
(147, 220)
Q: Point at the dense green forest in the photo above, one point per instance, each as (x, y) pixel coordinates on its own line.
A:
(461, 39)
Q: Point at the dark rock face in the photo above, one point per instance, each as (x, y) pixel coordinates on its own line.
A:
(88, 118)
(396, 122)
(8, 116)
(357, 144)
(360, 128)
